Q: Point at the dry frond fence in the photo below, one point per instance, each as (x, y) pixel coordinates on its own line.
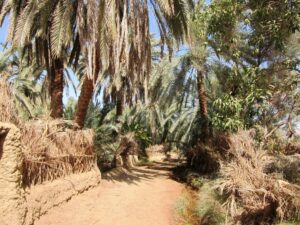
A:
(53, 149)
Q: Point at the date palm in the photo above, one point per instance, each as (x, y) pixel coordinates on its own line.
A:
(38, 26)
(112, 35)
(24, 83)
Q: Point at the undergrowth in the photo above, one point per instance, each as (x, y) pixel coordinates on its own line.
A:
(242, 192)
(202, 208)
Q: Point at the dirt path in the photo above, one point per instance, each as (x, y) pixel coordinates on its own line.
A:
(143, 197)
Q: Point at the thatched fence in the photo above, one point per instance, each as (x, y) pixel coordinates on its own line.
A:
(42, 165)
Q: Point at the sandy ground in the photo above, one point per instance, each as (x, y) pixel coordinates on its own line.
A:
(146, 196)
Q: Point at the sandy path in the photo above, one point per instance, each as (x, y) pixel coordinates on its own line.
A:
(145, 197)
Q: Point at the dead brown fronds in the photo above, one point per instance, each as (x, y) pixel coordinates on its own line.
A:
(204, 157)
(8, 111)
(292, 148)
(128, 146)
(253, 197)
(54, 149)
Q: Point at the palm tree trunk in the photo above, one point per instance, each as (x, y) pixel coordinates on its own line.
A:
(119, 103)
(202, 102)
(87, 91)
(56, 89)
(86, 95)
(120, 97)
(202, 94)
(146, 93)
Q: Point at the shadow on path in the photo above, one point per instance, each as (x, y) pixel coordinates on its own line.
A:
(138, 174)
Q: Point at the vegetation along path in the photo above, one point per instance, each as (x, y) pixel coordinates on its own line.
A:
(145, 196)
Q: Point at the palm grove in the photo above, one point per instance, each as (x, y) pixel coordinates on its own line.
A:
(239, 70)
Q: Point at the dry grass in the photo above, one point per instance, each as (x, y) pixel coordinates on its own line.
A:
(254, 197)
(55, 149)
(202, 208)
(156, 148)
(187, 209)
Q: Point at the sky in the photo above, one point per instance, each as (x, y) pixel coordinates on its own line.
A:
(3, 31)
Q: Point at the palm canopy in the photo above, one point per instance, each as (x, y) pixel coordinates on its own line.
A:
(112, 35)
(119, 27)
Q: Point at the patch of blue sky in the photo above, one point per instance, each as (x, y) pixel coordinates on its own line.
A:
(72, 90)
(3, 32)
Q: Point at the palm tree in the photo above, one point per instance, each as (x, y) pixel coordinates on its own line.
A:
(119, 29)
(198, 44)
(46, 27)
(23, 79)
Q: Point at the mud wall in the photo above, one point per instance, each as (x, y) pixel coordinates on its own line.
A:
(12, 198)
(41, 198)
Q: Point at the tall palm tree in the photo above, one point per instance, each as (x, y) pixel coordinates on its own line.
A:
(198, 42)
(45, 26)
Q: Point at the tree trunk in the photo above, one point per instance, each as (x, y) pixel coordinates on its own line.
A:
(120, 97)
(87, 91)
(202, 103)
(202, 94)
(86, 95)
(56, 89)
(146, 93)
(119, 103)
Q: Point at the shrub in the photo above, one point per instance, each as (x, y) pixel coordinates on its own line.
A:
(128, 146)
(204, 159)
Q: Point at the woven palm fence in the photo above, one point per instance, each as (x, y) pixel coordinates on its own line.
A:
(55, 149)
